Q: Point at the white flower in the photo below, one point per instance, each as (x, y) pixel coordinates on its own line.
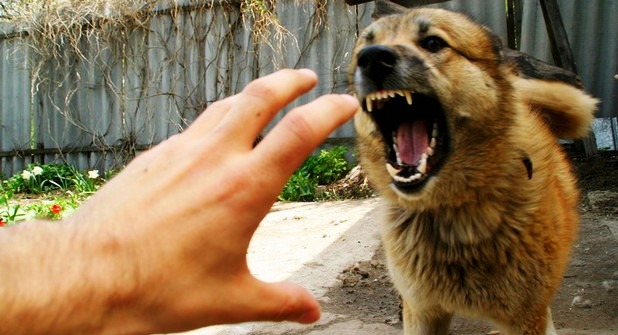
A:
(37, 170)
(93, 174)
(25, 175)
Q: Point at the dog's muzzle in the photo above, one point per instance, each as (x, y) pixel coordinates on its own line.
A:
(412, 123)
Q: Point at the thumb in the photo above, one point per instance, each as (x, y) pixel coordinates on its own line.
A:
(285, 301)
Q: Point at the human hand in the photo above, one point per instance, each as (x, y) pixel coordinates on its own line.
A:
(175, 225)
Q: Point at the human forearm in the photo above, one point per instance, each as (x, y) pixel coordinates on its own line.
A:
(57, 279)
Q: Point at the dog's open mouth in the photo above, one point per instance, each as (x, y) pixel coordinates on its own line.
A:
(414, 130)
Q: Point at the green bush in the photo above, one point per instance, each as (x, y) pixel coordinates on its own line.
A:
(299, 188)
(39, 179)
(324, 168)
(328, 166)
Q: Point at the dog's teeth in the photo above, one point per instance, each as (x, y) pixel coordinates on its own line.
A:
(430, 151)
(379, 96)
(397, 156)
(409, 179)
(434, 137)
(408, 97)
(422, 167)
(392, 170)
(369, 103)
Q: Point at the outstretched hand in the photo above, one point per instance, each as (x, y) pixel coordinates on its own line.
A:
(164, 243)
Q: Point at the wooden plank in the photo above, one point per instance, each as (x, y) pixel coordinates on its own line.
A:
(559, 41)
(562, 54)
(514, 12)
(384, 8)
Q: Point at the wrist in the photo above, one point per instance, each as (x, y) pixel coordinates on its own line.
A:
(57, 279)
(110, 279)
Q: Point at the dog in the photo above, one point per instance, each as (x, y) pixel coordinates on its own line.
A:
(480, 202)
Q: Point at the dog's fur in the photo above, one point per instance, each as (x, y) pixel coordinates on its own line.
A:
(487, 230)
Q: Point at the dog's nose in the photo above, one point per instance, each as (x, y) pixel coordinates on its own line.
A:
(377, 61)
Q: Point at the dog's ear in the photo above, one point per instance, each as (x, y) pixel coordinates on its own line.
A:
(385, 8)
(568, 111)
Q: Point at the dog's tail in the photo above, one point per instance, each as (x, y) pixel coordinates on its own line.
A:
(567, 110)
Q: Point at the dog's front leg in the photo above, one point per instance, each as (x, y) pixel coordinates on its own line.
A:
(532, 324)
(550, 329)
(425, 321)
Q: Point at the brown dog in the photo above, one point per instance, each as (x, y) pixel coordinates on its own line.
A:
(480, 201)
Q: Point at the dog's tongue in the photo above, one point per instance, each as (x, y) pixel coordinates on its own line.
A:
(412, 141)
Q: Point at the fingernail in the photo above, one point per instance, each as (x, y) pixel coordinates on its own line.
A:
(351, 99)
(308, 317)
(308, 72)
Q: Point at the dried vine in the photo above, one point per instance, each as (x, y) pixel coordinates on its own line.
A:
(122, 75)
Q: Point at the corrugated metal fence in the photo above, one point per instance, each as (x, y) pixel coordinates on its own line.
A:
(123, 89)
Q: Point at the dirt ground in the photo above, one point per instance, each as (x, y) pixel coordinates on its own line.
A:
(587, 300)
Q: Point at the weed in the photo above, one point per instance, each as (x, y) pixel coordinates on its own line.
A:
(324, 168)
(328, 166)
(300, 187)
(55, 209)
(8, 212)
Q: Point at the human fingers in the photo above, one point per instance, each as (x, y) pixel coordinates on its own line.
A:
(261, 99)
(285, 302)
(240, 299)
(211, 116)
(288, 144)
(261, 301)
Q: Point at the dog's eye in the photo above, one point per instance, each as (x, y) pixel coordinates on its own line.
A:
(433, 44)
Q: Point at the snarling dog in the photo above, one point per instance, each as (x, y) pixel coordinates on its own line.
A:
(480, 200)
